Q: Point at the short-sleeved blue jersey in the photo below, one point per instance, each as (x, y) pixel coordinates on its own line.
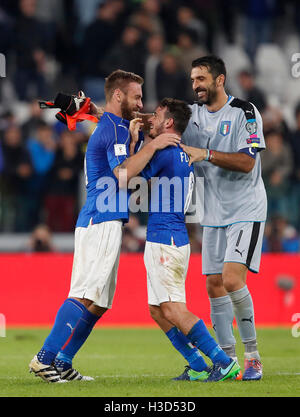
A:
(107, 148)
(171, 185)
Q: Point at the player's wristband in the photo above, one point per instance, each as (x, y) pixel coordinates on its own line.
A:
(209, 155)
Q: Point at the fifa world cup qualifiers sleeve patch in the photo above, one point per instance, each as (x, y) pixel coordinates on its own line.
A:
(249, 151)
(251, 126)
(120, 149)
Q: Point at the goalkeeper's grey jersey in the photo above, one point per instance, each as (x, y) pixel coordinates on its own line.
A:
(229, 196)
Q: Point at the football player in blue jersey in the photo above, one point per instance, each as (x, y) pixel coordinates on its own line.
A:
(98, 230)
(167, 250)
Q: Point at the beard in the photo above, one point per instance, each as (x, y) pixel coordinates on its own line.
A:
(156, 132)
(211, 95)
(127, 112)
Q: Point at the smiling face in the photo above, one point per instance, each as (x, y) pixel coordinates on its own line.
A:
(157, 122)
(131, 101)
(204, 85)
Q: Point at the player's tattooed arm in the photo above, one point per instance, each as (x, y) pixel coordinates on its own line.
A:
(137, 162)
(235, 161)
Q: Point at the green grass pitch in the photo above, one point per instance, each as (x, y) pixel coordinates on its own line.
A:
(140, 362)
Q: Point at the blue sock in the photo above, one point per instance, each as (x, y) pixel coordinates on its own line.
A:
(79, 335)
(187, 350)
(66, 319)
(200, 337)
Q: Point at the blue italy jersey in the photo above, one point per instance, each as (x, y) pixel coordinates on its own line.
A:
(107, 148)
(171, 186)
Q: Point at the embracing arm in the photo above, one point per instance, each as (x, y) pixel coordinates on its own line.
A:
(236, 161)
(136, 163)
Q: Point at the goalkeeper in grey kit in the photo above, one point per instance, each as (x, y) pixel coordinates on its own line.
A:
(223, 139)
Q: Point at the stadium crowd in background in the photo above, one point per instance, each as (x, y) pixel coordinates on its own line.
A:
(71, 45)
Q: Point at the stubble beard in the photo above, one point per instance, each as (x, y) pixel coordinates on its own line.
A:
(211, 93)
(127, 112)
(158, 131)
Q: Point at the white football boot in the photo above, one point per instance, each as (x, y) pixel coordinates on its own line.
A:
(48, 373)
(73, 375)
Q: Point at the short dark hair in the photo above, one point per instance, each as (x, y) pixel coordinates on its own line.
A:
(120, 79)
(213, 63)
(179, 111)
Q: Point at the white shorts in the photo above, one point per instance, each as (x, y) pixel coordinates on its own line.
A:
(96, 262)
(239, 242)
(166, 267)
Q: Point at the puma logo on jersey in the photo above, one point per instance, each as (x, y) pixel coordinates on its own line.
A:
(249, 319)
(69, 325)
(240, 252)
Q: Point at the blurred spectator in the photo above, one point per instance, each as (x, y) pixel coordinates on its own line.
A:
(133, 236)
(277, 166)
(42, 149)
(168, 15)
(16, 176)
(61, 205)
(259, 23)
(273, 120)
(86, 14)
(7, 119)
(294, 214)
(128, 54)
(29, 44)
(187, 19)
(228, 14)
(189, 49)
(29, 128)
(250, 91)
(280, 236)
(99, 38)
(171, 80)
(155, 49)
(6, 30)
(295, 143)
(147, 18)
(66, 48)
(213, 17)
(50, 13)
(41, 239)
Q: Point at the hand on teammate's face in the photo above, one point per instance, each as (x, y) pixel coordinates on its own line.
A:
(134, 128)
